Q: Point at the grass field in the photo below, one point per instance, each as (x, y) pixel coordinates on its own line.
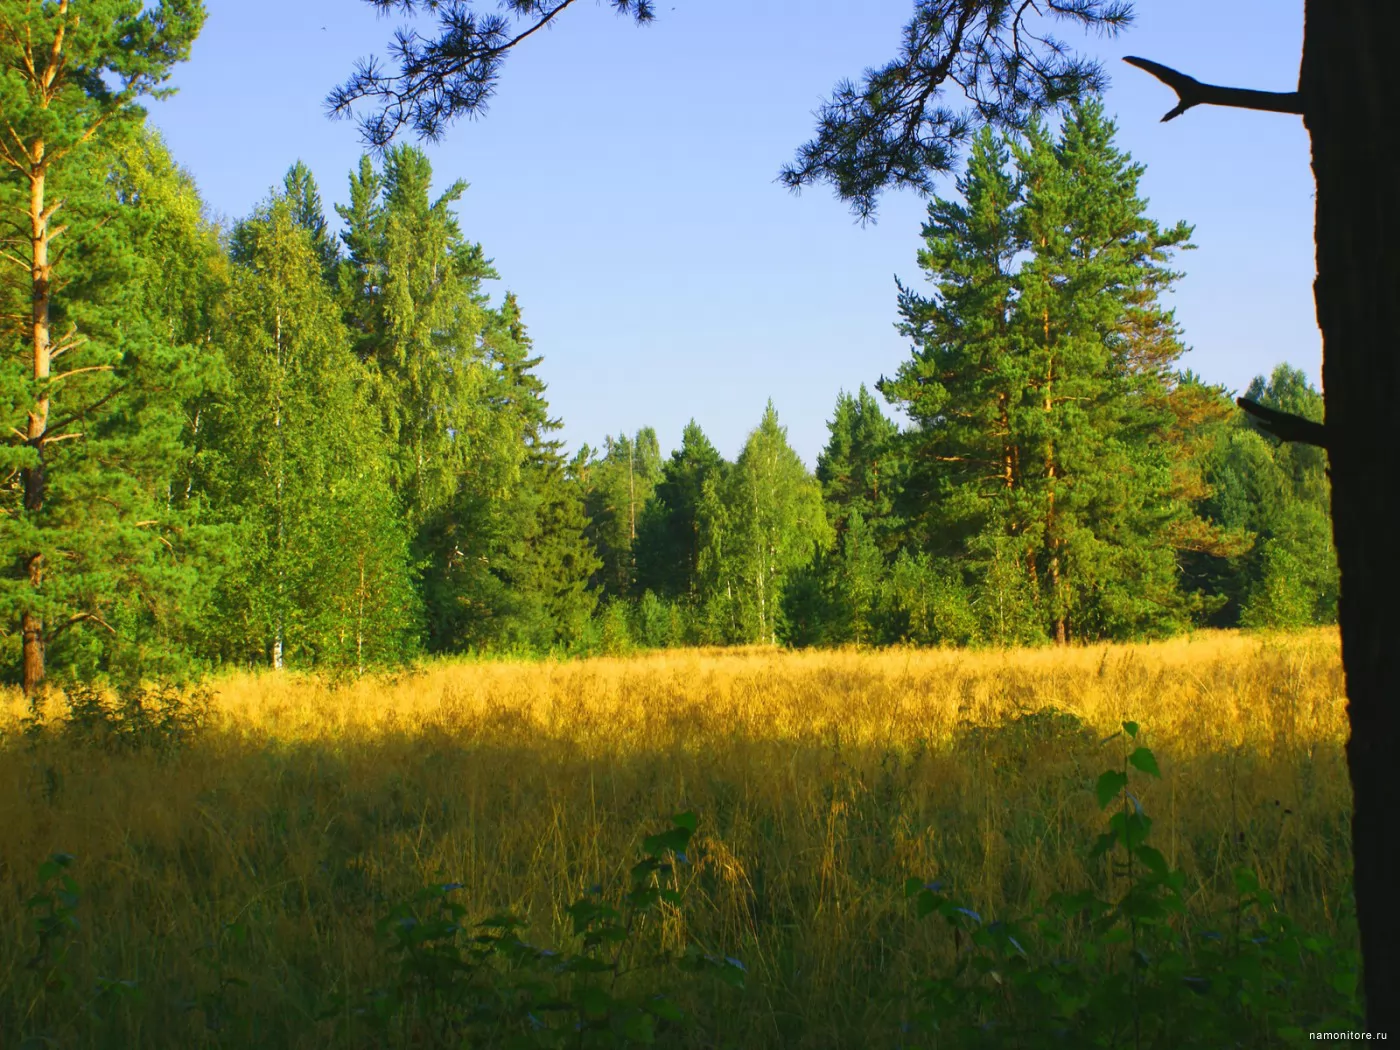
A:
(263, 851)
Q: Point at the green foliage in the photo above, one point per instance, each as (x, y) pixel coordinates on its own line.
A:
(480, 984)
(412, 292)
(1041, 394)
(762, 521)
(159, 719)
(1279, 495)
(279, 446)
(516, 559)
(618, 488)
(320, 575)
(669, 539)
(1127, 968)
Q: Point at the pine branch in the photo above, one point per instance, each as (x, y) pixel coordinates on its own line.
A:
(1284, 425)
(451, 76)
(73, 621)
(1191, 92)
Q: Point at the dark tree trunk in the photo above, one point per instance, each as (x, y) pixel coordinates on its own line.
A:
(1351, 102)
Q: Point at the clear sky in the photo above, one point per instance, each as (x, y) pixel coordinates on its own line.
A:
(623, 181)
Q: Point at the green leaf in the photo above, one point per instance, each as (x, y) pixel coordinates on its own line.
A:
(1153, 860)
(594, 1002)
(1131, 728)
(1144, 760)
(1110, 783)
(674, 841)
(665, 1009)
(640, 1028)
(685, 820)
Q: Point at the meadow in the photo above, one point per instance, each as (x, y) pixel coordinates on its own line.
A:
(226, 890)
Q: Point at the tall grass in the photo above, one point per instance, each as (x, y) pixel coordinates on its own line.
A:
(234, 883)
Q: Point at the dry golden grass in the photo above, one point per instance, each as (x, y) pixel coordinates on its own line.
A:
(822, 780)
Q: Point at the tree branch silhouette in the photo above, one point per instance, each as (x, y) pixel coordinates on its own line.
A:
(1191, 92)
(1284, 425)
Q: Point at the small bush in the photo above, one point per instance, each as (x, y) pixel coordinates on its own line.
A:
(133, 718)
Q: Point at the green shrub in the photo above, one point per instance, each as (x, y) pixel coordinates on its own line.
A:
(489, 988)
(1130, 970)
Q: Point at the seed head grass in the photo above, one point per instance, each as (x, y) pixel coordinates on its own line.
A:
(235, 881)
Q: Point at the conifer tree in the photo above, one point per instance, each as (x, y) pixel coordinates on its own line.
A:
(668, 553)
(519, 563)
(304, 202)
(859, 467)
(72, 76)
(963, 385)
(1097, 348)
(621, 485)
(1042, 389)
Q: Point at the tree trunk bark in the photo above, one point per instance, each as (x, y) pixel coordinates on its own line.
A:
(35, 481)
(1351, 104)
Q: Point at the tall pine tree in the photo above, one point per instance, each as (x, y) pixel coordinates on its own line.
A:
(1041, 389)
(92, 397)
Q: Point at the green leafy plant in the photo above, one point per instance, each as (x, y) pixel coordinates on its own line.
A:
(51, 1003)
(482, 985)
(1129, 969)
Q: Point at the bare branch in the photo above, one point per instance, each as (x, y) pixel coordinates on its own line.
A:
(79, 371)
(1191, 92)
(1284, 425)
(73, 621)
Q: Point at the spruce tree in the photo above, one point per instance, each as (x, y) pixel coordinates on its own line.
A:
(668, 546)
(304, 202)
(859, 468)
(411, 289)
(519, 563)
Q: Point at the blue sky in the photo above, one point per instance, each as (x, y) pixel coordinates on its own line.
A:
(624, 183)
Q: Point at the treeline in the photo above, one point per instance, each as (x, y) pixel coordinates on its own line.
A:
(277, 443)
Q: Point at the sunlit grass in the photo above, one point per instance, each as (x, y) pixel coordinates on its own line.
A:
(822, 780)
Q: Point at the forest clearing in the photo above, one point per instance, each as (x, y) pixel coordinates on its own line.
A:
(1039, 694)
(233, 881)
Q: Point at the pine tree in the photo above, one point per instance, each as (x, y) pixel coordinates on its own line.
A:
(1098, 349)
(964, 384)
(73, 78)
(1042, 389)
